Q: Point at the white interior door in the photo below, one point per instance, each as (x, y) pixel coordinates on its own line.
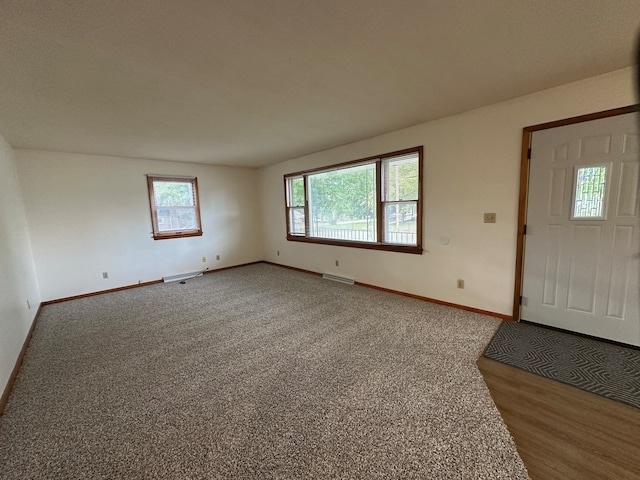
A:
(582, 255)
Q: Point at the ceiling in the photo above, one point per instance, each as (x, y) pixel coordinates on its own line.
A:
(255, 82)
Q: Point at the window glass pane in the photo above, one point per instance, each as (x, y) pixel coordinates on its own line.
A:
(401, 178)
(174, 206)
(296, 221)
(342, 203)
(400, 223)
(176, 219)
(590, 189)
(173, 193)
(369, 203)
(296, 192)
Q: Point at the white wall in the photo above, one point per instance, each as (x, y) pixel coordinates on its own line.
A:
(472, 165)
(17, 275)
(89, 214)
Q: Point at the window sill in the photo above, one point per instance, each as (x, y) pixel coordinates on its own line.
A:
(168, 235)
(416, 250)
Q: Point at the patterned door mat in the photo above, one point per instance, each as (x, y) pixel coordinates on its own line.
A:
(602, 368)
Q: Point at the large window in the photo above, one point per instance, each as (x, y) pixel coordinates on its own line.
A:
(175, 211)
(369, 203)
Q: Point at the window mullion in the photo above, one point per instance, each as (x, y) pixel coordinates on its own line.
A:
(306, 206)
(287, 203)
(379, 203)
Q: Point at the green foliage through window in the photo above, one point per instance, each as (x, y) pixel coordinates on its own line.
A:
(174, 207)
(341, 204)
(171, 194)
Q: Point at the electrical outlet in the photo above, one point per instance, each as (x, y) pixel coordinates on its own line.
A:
(489, 218)
(105, 274)
(460, 283)
(217, 257)
(204, 259)
(337, 263)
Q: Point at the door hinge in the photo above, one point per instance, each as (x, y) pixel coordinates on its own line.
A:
(524, 230)
(529, 153)
(520, 300)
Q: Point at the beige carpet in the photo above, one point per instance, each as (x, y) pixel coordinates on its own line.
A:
(255, 373)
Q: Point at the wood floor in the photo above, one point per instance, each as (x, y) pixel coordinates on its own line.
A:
(562, 432)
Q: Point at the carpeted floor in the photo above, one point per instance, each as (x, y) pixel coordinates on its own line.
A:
(255, 373)
(598, 367)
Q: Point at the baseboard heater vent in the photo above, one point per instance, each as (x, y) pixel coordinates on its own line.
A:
(338, 278)
(182, 276)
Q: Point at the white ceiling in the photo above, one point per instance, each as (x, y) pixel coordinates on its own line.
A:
(255, 82)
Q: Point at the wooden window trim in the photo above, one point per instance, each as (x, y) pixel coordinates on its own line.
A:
(380, 245)
(156, 233)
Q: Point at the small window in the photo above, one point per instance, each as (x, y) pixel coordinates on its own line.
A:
(175, 210)
(400, 200)
(295, 205)
(369, 203)
(590, 193)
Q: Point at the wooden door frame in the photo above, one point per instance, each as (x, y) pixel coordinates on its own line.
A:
(527, 134)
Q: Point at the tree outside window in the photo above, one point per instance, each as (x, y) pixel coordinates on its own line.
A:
(368, 203)
(175, 210)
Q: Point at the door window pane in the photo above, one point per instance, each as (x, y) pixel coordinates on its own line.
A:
(590, 192)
